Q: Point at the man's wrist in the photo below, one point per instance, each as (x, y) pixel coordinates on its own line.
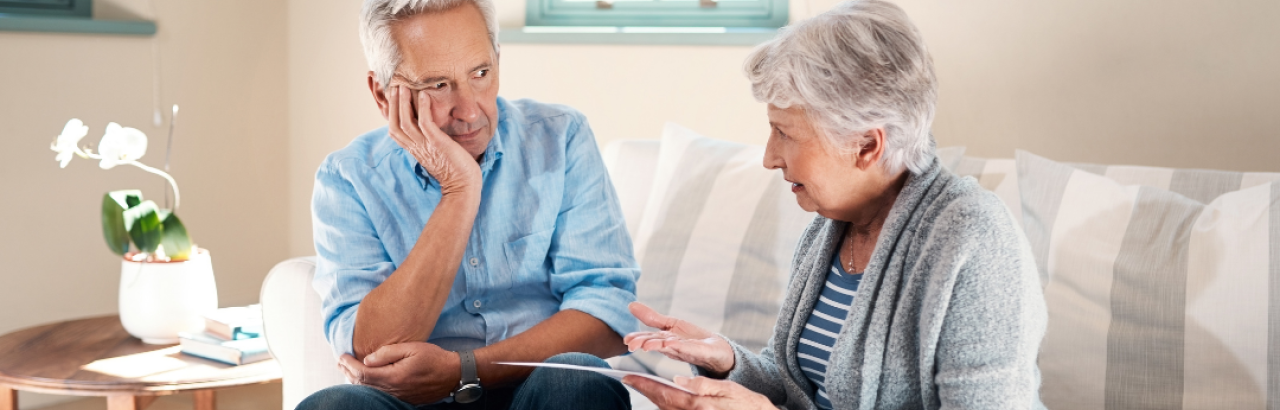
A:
(468, 195)
(455, 364)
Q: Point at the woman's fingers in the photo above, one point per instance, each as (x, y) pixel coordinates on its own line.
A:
(650, 317)
(703, 386)
(637, 340)
(653, 319)
(665, 397)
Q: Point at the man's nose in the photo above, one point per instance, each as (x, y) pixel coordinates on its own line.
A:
(465, 108)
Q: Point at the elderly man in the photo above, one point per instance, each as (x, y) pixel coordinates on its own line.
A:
(471, 230)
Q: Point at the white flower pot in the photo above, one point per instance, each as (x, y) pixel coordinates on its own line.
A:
(160, 299)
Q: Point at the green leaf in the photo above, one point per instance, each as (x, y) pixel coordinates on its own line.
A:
(113, 228)
(144, 226)
(177, 244)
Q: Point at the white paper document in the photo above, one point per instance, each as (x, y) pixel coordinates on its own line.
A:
(616, 374)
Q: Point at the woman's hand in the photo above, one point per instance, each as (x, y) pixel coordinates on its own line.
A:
(709, 394)
(680, 340)
(437, 152)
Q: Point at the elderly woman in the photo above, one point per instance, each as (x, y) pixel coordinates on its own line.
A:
(914, 288)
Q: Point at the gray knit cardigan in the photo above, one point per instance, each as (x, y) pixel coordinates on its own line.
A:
(949, 314)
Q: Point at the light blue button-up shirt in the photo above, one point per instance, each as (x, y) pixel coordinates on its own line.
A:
(549, 234)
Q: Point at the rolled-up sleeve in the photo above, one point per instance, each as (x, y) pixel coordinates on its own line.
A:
(350, 258)
(594, 269)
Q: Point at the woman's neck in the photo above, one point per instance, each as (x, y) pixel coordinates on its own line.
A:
(877, 211)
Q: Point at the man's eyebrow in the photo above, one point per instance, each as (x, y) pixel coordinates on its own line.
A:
(441, 78)
(424, 81)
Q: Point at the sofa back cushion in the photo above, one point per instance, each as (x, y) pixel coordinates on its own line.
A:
(1163, 286)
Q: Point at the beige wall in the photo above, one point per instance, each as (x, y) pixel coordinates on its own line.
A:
(1181, 83)
(224, 63)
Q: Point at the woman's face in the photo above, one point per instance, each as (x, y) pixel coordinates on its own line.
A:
(835, 182)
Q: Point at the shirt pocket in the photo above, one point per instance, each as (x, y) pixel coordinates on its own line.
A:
(527, 259)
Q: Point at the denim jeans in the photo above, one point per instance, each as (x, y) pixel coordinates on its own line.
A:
(546, 388)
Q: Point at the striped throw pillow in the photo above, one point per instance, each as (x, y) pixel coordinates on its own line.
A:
(1163, 285)
(716, 240)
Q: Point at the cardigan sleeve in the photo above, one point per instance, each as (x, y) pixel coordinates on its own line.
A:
(995, 316)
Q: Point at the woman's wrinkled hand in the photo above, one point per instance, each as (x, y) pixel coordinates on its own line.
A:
(437, 152)
(680, 340)
(709, 394)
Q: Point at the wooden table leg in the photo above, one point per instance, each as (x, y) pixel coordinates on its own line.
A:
(205, 400)
(8, 398)
(126, 402)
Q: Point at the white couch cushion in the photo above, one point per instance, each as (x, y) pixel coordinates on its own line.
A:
(1162, 285)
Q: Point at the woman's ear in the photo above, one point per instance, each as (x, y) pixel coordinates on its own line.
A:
(872, 148)
(379, 95)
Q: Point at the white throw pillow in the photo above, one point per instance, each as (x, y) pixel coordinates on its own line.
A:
(1158, 298)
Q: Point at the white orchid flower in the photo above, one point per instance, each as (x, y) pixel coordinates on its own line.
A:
(66, 143)
(121, 145)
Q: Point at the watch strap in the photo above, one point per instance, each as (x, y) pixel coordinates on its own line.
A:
(468, 360)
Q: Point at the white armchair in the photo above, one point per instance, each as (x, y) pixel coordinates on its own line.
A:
(295, 331)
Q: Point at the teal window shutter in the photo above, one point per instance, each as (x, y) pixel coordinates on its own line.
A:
(48, 8)
(657, 13)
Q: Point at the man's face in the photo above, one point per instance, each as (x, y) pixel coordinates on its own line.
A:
(449, 56)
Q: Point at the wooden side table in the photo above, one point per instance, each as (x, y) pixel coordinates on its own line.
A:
(96, 357)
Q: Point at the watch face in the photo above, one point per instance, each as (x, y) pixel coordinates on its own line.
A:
(468, 393)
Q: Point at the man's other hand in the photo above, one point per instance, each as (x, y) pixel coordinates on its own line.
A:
(415, 372)
(437, 152)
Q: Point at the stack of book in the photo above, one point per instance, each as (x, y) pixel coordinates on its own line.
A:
(231, 335)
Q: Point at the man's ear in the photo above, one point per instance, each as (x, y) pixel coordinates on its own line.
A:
(379, 95)
(872, 148)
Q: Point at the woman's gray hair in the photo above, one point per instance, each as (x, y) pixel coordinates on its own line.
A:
(860, 66)
(380, 49)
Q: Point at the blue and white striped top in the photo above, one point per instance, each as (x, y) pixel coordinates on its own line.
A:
(824, 324)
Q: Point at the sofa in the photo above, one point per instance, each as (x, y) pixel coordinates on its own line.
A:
(1163, 285)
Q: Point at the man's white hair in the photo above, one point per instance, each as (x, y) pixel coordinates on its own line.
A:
(380, 49)
(860, 66)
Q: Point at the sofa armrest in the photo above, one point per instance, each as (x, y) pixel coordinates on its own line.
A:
(294, 329)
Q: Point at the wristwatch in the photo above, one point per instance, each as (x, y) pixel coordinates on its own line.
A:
(469, 389)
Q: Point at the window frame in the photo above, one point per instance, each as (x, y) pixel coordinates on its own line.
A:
(47, 8)
(658, 13)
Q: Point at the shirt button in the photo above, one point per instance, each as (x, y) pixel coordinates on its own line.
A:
(476, 304)
(475, 262)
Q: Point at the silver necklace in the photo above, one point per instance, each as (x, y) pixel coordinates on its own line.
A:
(850, 269)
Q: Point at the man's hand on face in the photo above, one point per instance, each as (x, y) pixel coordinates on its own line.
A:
(414, 372)
(438, 153)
